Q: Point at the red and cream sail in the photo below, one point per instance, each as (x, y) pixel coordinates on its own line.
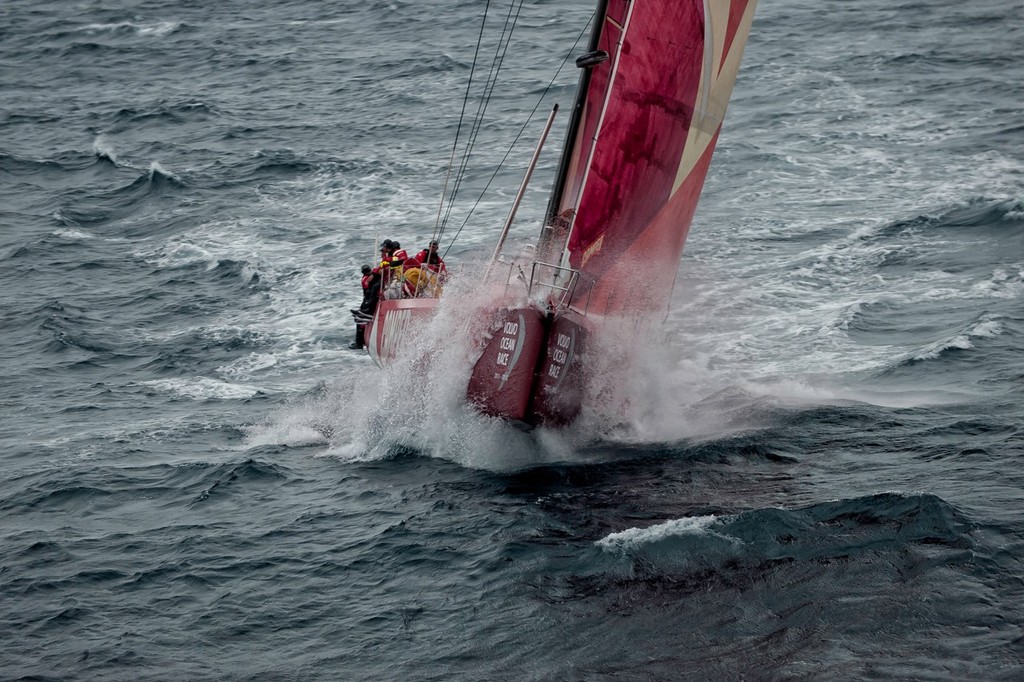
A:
(650, 120)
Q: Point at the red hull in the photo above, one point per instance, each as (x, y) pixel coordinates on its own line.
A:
(530, 368)
(557, 392)
(502, 381)
(390, 329)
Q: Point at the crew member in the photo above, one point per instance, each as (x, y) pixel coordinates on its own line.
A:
(398, 256)
(431, 259)
(371, 295)
(387, 247)
(392, 270)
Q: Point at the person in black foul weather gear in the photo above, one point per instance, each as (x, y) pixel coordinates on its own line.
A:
(363, 314)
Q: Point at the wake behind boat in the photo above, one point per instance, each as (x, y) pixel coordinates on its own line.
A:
(654, 86)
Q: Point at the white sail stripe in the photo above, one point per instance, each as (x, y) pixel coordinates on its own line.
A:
(711, 57)
(715, 86)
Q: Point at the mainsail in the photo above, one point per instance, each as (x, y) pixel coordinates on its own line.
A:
(637, 159)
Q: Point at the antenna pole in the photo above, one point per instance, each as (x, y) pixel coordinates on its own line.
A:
(521, 192)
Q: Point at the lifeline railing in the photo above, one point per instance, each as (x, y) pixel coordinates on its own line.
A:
(566, 291)
(534, 283)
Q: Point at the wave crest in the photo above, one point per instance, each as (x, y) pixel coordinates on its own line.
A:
(840, 529)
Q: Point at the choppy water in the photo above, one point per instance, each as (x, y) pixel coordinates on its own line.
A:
(820, 475)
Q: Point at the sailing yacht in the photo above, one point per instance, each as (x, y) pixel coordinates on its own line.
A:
(654, 85)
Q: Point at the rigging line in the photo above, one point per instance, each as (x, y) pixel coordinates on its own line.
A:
(462, 114)
(499, 56)
(492, 78)
(475, 123)
(521, 131)
(486, 95)
(439, 222)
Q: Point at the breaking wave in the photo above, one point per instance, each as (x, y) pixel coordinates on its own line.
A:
(159, 28)
(831, 531)
(985, 327)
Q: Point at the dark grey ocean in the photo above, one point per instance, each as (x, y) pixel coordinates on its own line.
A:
(820, 473)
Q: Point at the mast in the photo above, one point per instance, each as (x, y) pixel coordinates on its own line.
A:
(600, 120)
(576, 118)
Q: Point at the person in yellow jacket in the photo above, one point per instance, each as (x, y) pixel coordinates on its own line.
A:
(419, 281)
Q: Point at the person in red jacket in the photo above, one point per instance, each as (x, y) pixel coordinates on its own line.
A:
(431, 259)
(398, 255)
(365, 282)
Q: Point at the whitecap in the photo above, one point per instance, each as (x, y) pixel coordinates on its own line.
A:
(248, 365)
(159, 28)
(203, 388)
(103, 148)
(987, 326)
(156, 169)
(1001, 284)
(178, 255)
(632, 538)
(934, 350)
(72, 234)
